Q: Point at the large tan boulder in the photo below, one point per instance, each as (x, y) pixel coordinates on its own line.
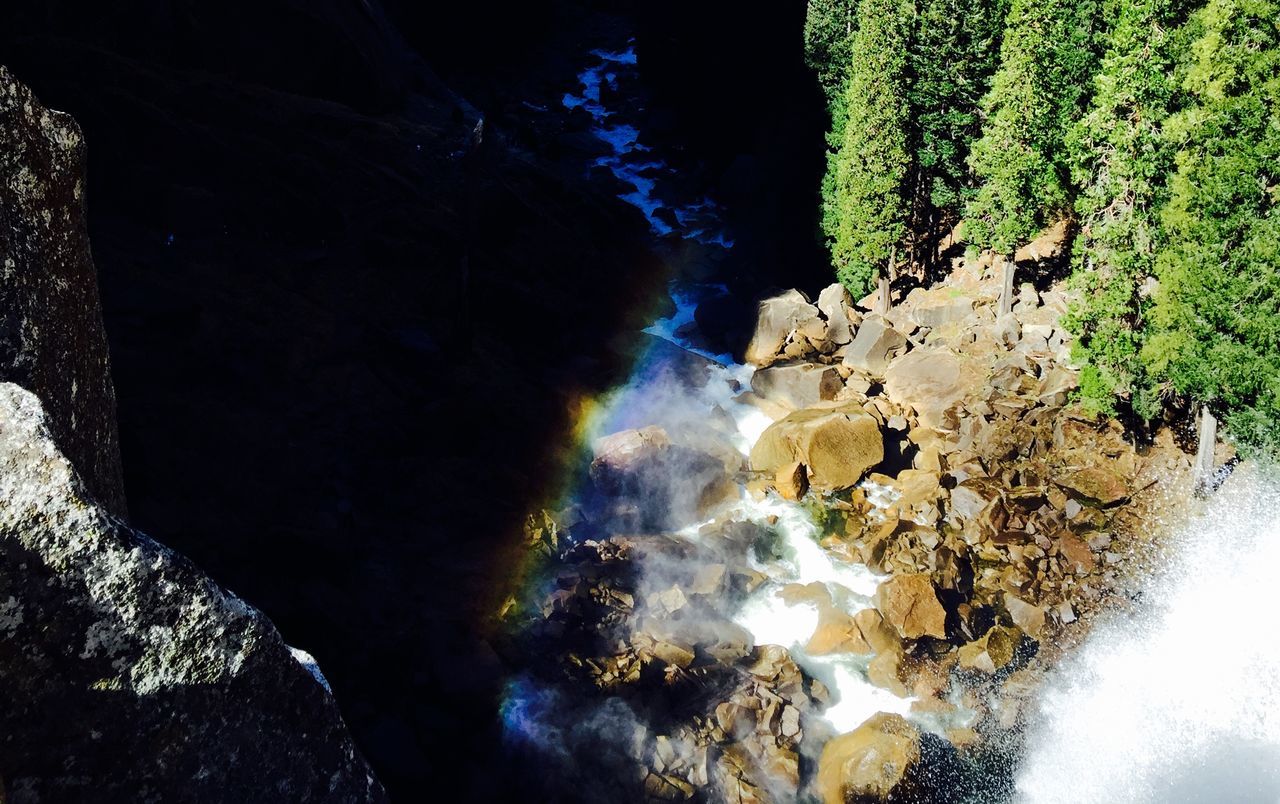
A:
(838, 444)
(835, 303)
(776, 318)
(870, 762)
(939, 306)
(876, 343)
(930, 381)
(836, 633)
(910, 604)
(864, 633)
(799, 385)
(875, 631)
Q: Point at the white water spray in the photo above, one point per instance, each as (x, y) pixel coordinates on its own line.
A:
(713, 412)
(1179, 702)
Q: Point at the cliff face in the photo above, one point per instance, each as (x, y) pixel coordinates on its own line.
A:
(128, 673)
(51, 335)
(344, 346)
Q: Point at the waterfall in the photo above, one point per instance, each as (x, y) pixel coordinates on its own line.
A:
(1180, 699)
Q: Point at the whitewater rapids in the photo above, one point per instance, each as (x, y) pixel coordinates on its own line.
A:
(1180, 700)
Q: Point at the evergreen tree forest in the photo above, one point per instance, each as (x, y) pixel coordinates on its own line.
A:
(1152, 127)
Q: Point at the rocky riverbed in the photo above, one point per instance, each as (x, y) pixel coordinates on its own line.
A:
(869, 540)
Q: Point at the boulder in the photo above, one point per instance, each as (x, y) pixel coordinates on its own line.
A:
(776, 318)
(876, 343)
(931, 382)
(836, 633)
(885, 671)
(130, 675)
(1007, 330)
(799, 385)
(838, 444)
(835, 303)
(52, 341)
(910, 604)
(662, 483)
(1099, 483)
(940, 306)
(873, 630)
(1076, 553)
(993, 651)
(972, 497)
(792, 481)
(870, 763)
(1028, 617)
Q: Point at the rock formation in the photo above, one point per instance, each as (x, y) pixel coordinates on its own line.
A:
(128, 674)
(870, 763)
(51, 335)
(934, 443)
(308, 269)
(836, 443)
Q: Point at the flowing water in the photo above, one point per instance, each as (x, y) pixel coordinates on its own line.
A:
(714, 413)
(1180, 700)
(654, 396)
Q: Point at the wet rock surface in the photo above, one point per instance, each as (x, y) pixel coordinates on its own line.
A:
(996, 518)
(869, 763)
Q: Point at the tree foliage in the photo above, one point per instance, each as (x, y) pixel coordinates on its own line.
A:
(1121, 165)
(828, 40)
(1046, 61)
(953, 56)
(866, 210)
(901, 131)
(1215, 324)
(1154, 123)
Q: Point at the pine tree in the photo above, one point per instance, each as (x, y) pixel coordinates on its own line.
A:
(1122, 163)
(1215, 324)
(865, 214)
(828, 39)
(954, 54)
(1046, 60)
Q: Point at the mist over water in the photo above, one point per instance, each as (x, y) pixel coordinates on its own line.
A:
(1175, 700)
(1178, 701)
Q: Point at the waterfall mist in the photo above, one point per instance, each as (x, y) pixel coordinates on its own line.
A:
(1178, 701)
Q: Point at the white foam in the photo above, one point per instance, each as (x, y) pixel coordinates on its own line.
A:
(1180, 701)
(624, 141)
(657, 400)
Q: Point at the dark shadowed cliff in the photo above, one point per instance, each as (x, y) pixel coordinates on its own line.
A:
(347, 320)
(129, 674)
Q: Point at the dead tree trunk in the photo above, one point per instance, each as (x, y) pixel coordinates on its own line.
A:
(1202, 471)
(1006, 289)
(886, 279)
